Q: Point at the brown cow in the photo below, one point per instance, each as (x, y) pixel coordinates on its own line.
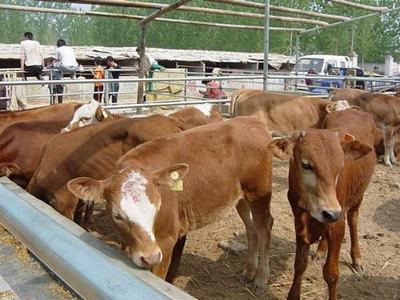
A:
(328, 175)
(21, 145)
(58, 112)
(351, 95)
(20, 164)
(247, 102)
(386, 111)
(227, 164)
(92, 151)
(197, 115)
(282, 113)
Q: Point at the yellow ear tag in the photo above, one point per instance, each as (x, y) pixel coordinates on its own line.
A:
(105, 115)
(178, 183)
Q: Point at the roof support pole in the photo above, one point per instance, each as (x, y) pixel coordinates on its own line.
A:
(297, 60)
(143, 23)
(266, 45)
(141, 84)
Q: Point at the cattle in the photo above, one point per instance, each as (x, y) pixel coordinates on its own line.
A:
(386, 111)
(58, 112)
(283, 113)
(329, 172)
(197, 115)
(247, 102)
(90, 113)
(351, 95)
(167, 187)
(90, 151)
(21, 145)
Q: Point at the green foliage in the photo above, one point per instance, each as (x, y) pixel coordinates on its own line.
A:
(374, 37)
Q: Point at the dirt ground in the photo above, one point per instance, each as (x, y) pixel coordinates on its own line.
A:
(209, 272)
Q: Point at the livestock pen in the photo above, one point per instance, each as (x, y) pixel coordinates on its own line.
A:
(211, 270)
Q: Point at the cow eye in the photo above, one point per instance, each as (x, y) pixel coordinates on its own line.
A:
(306, 165)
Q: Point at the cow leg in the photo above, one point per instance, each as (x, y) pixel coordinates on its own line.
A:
(331, 268)
(322, 248)
(386, 144)
(300, 266)
(352, 220)
(250, 269)
(393, 159)
(176, 259)
(260, 211)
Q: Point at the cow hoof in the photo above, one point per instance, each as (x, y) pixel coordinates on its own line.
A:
(358, 269)
(247, 276)
(258, 288)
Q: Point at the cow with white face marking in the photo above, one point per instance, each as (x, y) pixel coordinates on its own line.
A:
(89, 113)
(330, 169)
(167, 187)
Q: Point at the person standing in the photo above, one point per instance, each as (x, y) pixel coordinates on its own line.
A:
(31, 57)
(151, 65)
(112, 66)
(98, 73)
(56, 89)
(66, 61)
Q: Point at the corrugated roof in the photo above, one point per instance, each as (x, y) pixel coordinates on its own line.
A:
(12, 51)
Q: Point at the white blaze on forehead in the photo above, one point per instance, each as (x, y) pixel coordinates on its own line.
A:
(136, 204)
(341, 105)
(204, 108)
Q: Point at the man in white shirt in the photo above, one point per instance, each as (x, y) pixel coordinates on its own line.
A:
(31, 57)
(66, 58)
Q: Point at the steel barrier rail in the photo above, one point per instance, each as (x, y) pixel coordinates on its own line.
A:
(166, 103)
(91, 268)
(122, 80)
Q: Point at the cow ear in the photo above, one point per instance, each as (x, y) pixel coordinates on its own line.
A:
(7, 169)
(282, 148)
(354, 149)
(172, 176)
(87, 188)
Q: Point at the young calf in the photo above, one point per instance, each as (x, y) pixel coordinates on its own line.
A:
(167, 187)
(328, 175)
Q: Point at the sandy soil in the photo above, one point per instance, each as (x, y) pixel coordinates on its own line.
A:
(209, 272)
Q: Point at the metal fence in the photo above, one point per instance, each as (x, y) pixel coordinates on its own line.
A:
(186, 87)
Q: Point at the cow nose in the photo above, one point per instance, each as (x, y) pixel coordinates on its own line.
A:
(151, 260)
(330, 216)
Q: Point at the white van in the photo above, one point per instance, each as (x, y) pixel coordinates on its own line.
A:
(320, 62)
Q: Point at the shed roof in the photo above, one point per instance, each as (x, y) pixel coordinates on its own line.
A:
(12, 52)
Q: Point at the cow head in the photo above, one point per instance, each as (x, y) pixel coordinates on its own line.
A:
(318, 157)
(133, 199)
(87, 114)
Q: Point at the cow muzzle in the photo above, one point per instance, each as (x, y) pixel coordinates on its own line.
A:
(330, 216)
(147, 260)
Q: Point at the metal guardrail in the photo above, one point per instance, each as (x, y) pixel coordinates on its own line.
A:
(91, 268)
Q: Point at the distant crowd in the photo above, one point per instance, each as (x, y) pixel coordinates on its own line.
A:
(65, 64)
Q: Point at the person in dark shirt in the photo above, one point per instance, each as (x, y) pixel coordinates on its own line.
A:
(114, 86)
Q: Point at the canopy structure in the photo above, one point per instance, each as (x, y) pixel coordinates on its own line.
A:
(302, 21)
